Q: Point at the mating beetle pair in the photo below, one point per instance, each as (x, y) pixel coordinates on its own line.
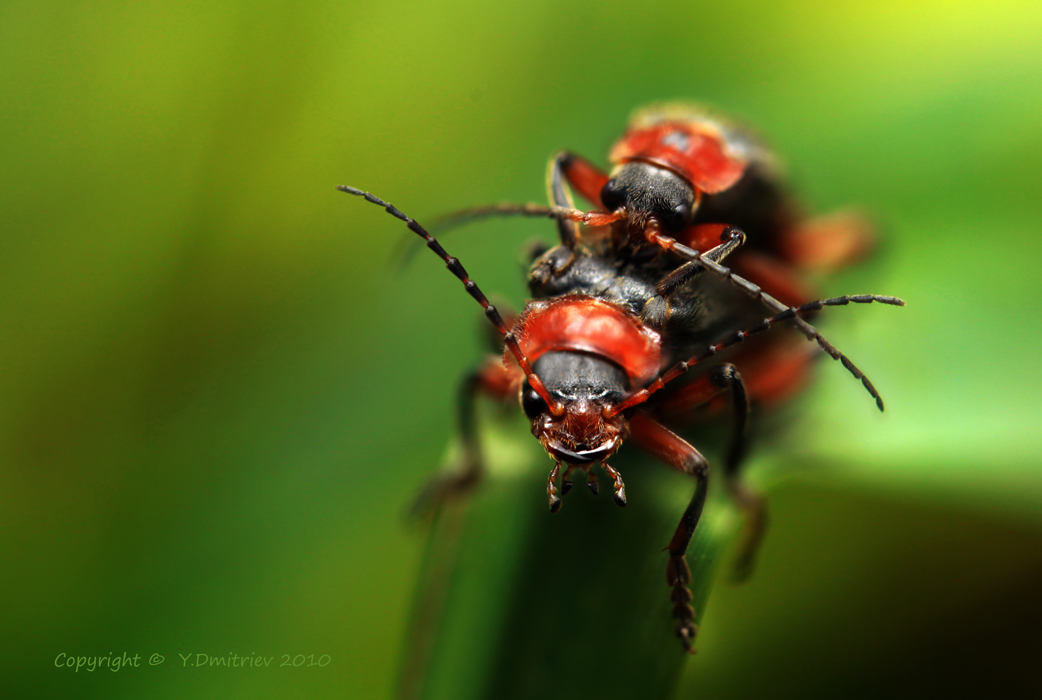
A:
(622, 308)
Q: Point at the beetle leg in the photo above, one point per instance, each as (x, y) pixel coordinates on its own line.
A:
(704, 236)
(756, 293)
(492, 379)
(620, 488)
(723, 379)
(720, 242)
(587, 179)
(827, 243)
(551, 488)
(774, 275)
(775, 373)
(719, 380)
(681, 455)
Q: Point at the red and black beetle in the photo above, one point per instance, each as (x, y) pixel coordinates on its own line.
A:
(621, 308)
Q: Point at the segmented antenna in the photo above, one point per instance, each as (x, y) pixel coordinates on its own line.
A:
(472, 288)
(754, 292)
(463, 217)
(791, 313)
(654, 236)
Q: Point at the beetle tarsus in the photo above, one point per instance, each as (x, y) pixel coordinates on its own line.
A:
(566, 480)
(551, 489)
(620, 488)
(678, 575)
(591, 483)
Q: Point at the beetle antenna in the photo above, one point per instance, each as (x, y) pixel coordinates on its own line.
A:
(491, 313)
(463, 217)
(791, 313)
(755, 292)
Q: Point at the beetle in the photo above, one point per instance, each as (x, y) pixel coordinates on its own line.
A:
(621, 309)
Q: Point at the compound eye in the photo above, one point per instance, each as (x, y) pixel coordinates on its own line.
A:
(532, 403)
(613, 195)
(678, 219)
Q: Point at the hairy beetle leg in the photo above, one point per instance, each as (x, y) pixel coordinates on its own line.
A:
(678, 575)
(620, 488)
(566, 480)
(591, 482)
(551, 489)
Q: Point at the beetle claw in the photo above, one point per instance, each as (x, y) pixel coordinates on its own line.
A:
(551, 488)
(591, 483)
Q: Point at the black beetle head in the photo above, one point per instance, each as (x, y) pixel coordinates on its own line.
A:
(646, 191)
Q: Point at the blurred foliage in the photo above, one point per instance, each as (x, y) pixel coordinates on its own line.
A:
(216, 397)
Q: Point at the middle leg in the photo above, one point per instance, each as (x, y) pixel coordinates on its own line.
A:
(755, 292)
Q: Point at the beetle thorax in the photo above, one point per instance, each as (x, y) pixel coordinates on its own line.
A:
(594, 327)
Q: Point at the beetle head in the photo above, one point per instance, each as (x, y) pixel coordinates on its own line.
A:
(645, 191)
(584, 388)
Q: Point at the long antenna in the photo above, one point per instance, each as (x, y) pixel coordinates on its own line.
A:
(655, 237)
(491, 313)
(462, 217)
(754, 291)
(791, 313)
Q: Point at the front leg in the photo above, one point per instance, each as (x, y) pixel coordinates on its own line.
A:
(679, 454)
(718, 240)
(567, 168)
(587, 179)
(755, 292)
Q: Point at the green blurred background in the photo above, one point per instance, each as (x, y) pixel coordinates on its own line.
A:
(217, 396)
